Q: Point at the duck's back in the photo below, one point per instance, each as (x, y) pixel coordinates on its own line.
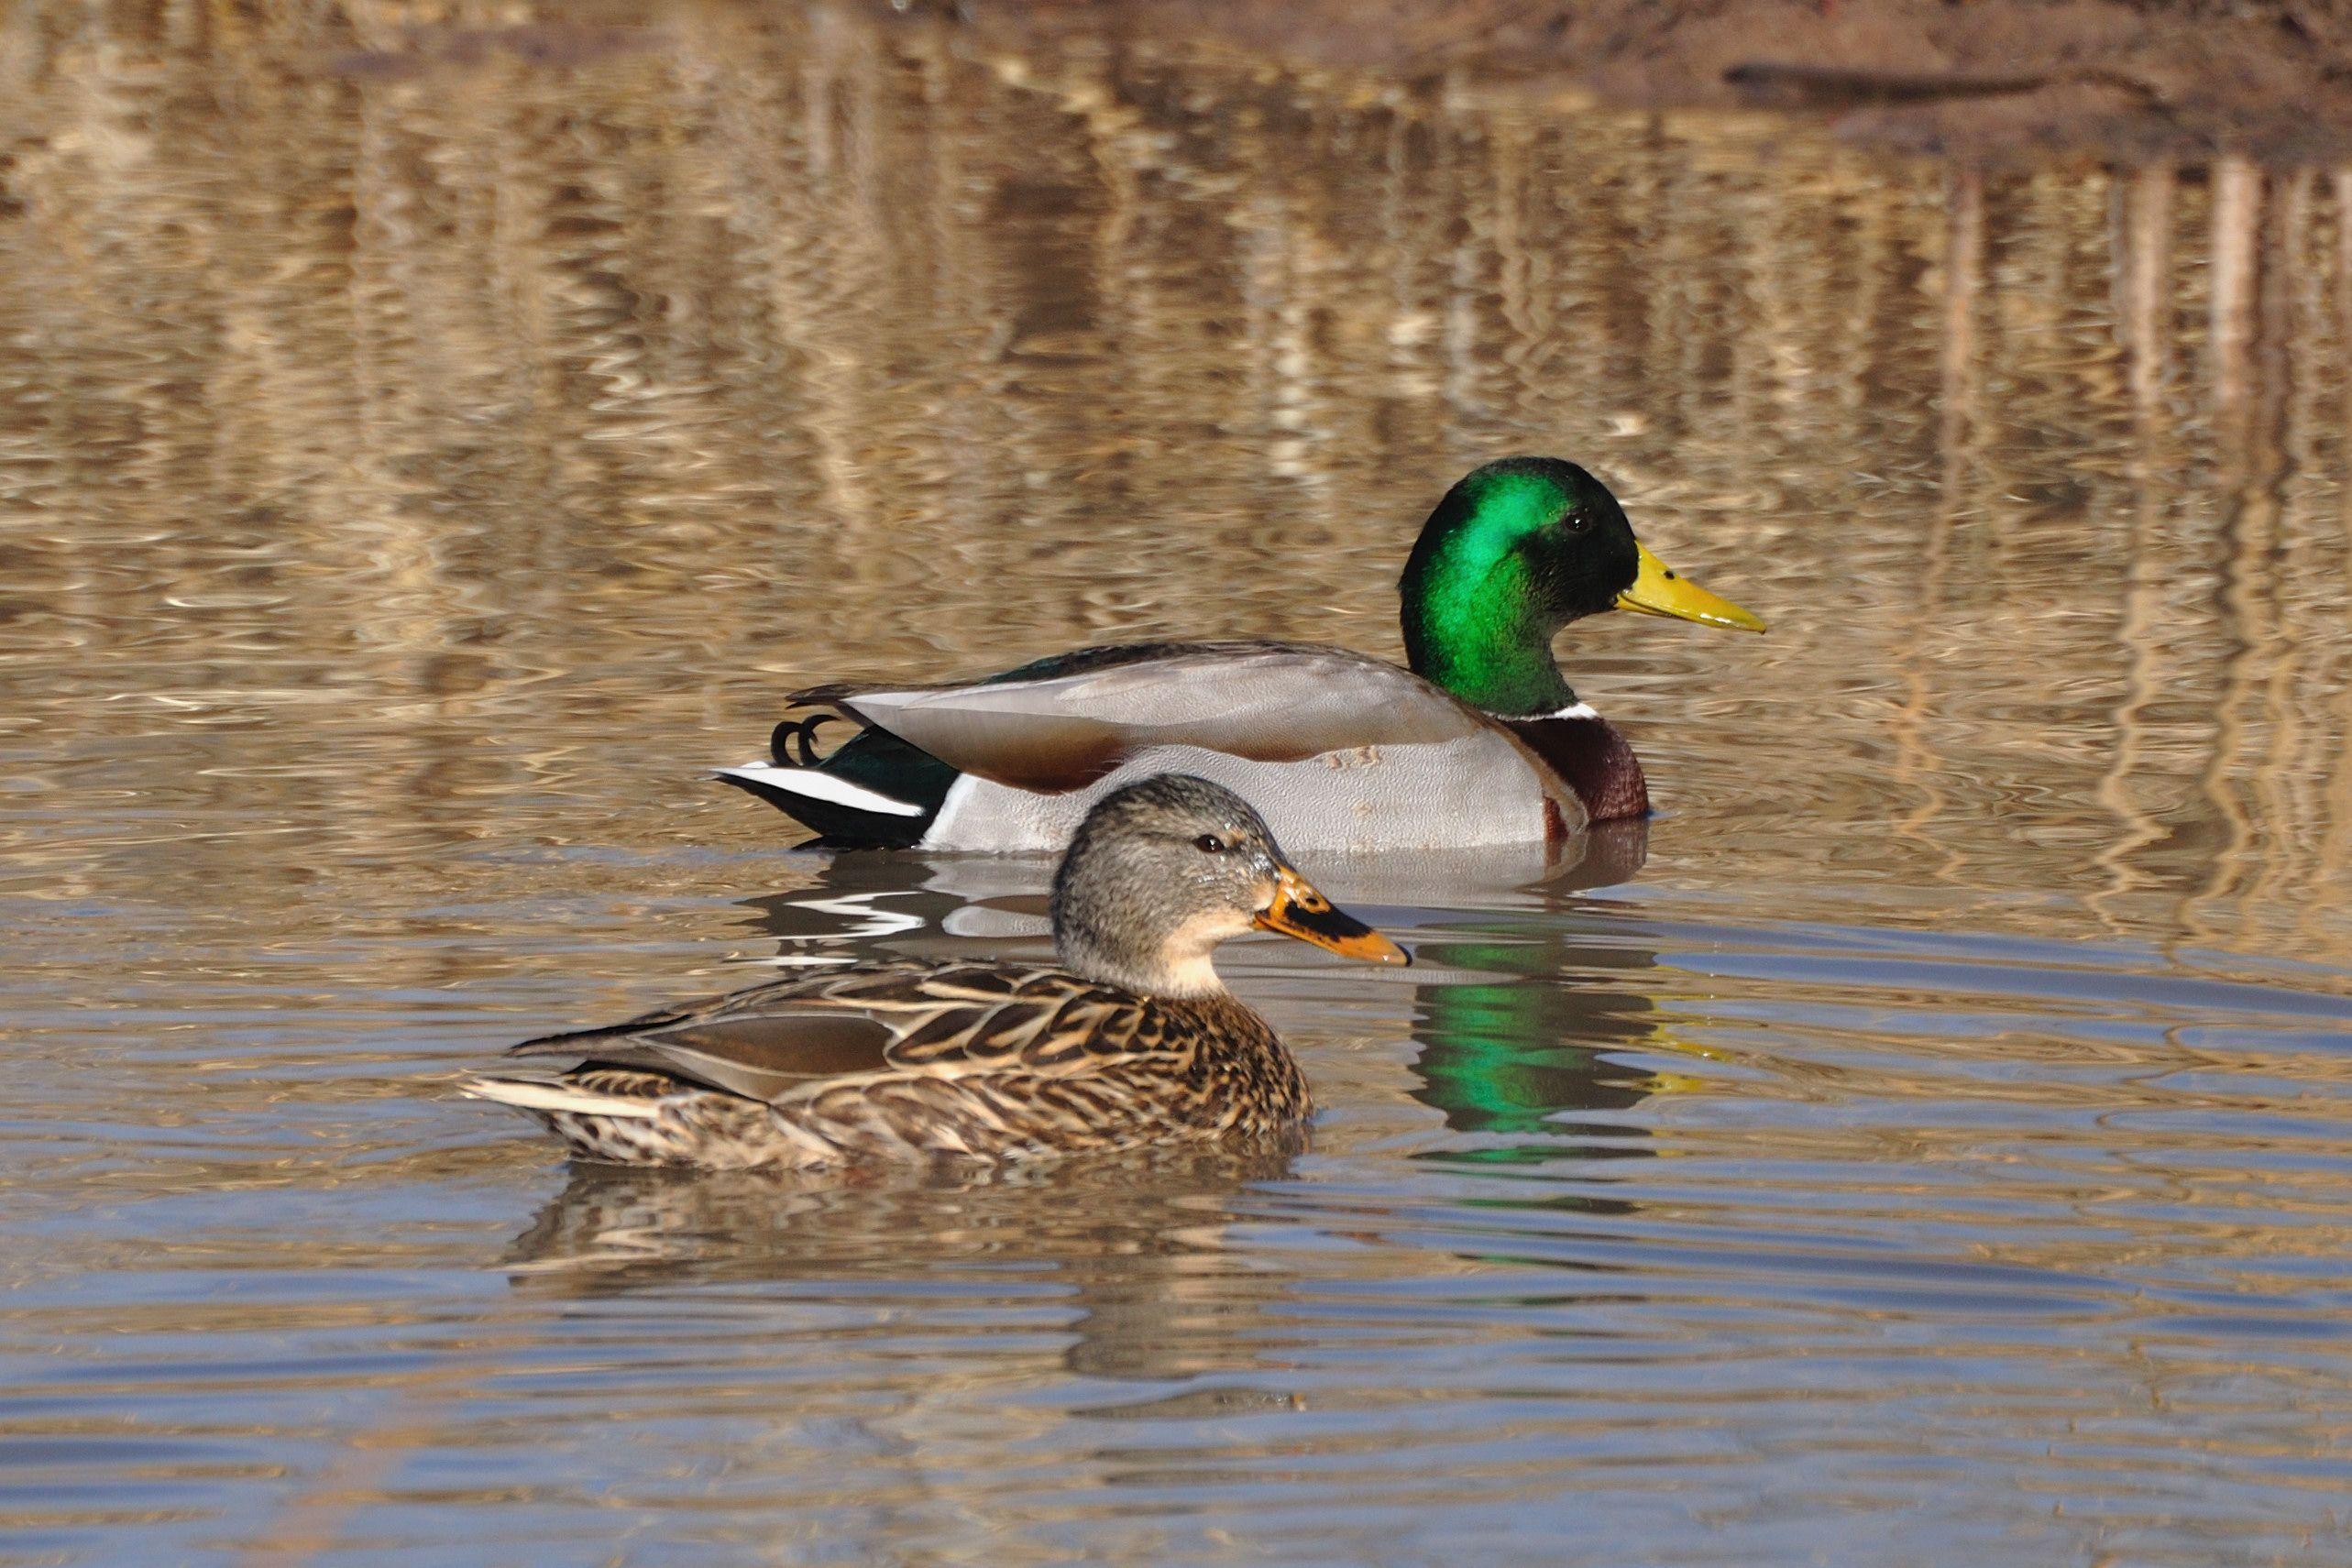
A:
(913, 1062)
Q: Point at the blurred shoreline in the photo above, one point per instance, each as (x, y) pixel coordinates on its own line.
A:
(1997, 84)
(2007, 81)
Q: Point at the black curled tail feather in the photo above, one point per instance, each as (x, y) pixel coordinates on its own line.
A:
(872, 758)
(793, 743)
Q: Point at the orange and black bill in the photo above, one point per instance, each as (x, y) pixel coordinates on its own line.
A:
(1300, 911)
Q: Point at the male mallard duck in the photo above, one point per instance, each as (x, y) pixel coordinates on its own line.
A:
(1134, 1041)
(1482, 742)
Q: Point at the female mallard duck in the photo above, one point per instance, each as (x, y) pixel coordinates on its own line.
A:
(1134, 1041)
(1482, 742)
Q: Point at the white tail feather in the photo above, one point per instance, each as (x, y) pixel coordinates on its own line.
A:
(548, 1094)
(823, 786)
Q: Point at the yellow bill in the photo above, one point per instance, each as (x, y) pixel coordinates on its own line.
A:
(1657, 590)
(1300, 911)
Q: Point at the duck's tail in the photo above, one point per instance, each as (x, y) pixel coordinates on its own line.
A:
(547, 1096)
(874, 791)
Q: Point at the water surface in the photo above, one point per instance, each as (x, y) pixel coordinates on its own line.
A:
(423, 448)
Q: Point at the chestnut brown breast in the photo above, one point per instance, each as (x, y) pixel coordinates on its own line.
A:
(1594, 760)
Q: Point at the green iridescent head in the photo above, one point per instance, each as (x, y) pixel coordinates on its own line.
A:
(1513, 552)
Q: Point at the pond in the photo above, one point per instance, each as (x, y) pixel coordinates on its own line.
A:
(426, 450)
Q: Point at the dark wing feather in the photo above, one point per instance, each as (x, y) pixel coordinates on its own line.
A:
(1074, 662)
(922, 1020)
(762, 1058)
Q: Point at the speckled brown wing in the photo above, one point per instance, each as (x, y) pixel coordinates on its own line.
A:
(912, 1061)
(798, 1037)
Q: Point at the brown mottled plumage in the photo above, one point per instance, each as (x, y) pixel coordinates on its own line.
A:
(1134, 1043)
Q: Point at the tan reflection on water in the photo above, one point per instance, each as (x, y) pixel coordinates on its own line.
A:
(397, 417)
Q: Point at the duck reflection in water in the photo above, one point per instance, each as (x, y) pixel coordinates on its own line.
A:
(1521, 1015)
(917, 905)
(1135, 1244)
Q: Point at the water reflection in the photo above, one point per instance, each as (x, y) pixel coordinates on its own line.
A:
(1510, 1058)
(562, 394)
(1130, 1252)
(1519, 1019)
(978, 906)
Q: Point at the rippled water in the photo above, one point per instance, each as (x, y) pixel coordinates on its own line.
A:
(423, 447)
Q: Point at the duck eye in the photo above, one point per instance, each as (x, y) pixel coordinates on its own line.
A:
(1577, 522)
(1209, 844)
